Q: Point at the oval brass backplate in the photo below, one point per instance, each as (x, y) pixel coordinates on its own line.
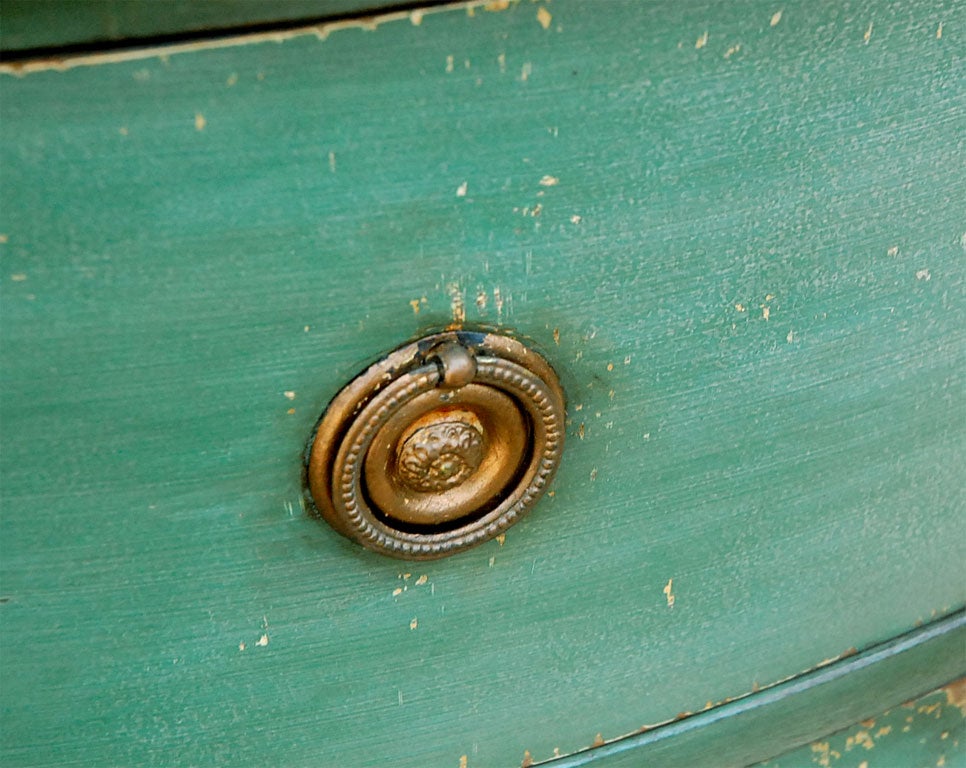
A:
(444, 443)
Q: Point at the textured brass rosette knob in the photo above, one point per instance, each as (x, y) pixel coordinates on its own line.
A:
(443, 444)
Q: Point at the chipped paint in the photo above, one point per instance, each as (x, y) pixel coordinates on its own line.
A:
(320, 31)
(457, 303)
(956, 694)
(669, 593)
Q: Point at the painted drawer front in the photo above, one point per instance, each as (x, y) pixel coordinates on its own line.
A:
(736, 232)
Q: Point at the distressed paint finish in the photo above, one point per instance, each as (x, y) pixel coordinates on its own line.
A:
(773, 719)
(928, 732)
(30, 24)
(737, 234)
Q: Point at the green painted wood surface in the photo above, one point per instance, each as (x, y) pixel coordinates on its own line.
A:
(32, 24)
(928, 732)
(795, 711)
(740, 242)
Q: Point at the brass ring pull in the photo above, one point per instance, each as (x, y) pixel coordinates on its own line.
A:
(443, 444)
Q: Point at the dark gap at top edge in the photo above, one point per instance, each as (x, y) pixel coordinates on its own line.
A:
(94, 47)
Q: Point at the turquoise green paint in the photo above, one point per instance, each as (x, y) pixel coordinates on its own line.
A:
(795, 711)
(798, 477)
(925, 733)
(30, 24)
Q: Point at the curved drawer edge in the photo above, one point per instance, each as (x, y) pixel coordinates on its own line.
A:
(796, 711)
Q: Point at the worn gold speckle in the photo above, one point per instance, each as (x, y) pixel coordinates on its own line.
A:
(701, 41)
(200, 122)
(668, 593)
(544, 17)
(775, 18)
(860, 739)
(956, 694)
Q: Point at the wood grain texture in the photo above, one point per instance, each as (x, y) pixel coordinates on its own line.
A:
(740, 243)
